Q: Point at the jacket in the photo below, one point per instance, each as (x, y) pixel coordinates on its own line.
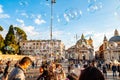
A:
(17, 74)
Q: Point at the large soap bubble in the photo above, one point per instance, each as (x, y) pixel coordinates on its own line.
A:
(73, 13)
(91, 1)
(94, 6)
(117, 11)
(70, 14)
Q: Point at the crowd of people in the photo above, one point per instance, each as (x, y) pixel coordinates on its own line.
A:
(53, 70)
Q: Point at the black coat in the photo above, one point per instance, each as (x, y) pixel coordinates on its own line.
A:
(118, 68)
(44, 76)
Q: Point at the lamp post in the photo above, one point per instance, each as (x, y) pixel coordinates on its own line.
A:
(51, 25)
(51, 21)
(77, 58)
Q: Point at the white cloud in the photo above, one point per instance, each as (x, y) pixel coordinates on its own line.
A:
(39, 21)
(3, 33)
(98, 38)
(20, 21)
(115, 13)
(57, 34)
(24, 14)
(3, 15)
(1, 10)
(30, 30)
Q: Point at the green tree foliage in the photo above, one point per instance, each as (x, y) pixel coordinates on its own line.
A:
(20, 33)
(10, 41)
(10, 37)
(1, 42)
(1, 29)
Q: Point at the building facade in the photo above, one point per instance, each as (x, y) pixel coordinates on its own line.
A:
(110, 49)
(83, 49)
(48, 48)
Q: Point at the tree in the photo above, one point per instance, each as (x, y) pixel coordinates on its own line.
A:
(1, 43)
(1, 40)
(1, 29)
(10, 37)
(10, 41)
(20, 34)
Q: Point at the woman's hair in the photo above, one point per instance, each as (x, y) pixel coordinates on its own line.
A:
(57, 65)
(91, 73)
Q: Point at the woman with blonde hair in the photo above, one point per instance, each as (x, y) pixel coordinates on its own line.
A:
(60, 74)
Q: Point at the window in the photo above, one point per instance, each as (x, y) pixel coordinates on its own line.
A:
(29, 47)
(23, 43)
(33, 43)
(37, 43)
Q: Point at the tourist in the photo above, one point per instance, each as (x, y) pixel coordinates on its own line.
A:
(51, 71)
(43, 73)
(18, 73)
(91, 73)
(6, 70)
(60, 74)
(16, 64)
(114, 69)
(104, 70)
(118, 69)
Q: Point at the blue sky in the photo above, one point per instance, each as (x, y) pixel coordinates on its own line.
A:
(93, 18)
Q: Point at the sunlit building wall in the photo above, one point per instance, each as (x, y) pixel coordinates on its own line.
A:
(110, 49)
(42, 47)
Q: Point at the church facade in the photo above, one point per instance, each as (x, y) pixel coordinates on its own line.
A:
(83, 49)
(110, 49)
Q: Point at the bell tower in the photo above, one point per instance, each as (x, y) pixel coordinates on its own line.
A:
(116, 33)
(105, 43)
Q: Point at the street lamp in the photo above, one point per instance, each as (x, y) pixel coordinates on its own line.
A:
(76, 49)
(51, 22)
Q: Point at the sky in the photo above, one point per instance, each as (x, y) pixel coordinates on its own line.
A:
(93, 18)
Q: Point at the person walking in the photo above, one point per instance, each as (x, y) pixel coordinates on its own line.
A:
(18, 73)
(118, 69)
(114, 69)
(104, 70)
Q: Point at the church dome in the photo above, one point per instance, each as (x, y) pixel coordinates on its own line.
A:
(114, 39)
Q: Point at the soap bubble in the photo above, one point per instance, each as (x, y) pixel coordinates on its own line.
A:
(23, 3)
(117, 12)
(73, 13)
(70, 14)
(91, 1)
(93, 7)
